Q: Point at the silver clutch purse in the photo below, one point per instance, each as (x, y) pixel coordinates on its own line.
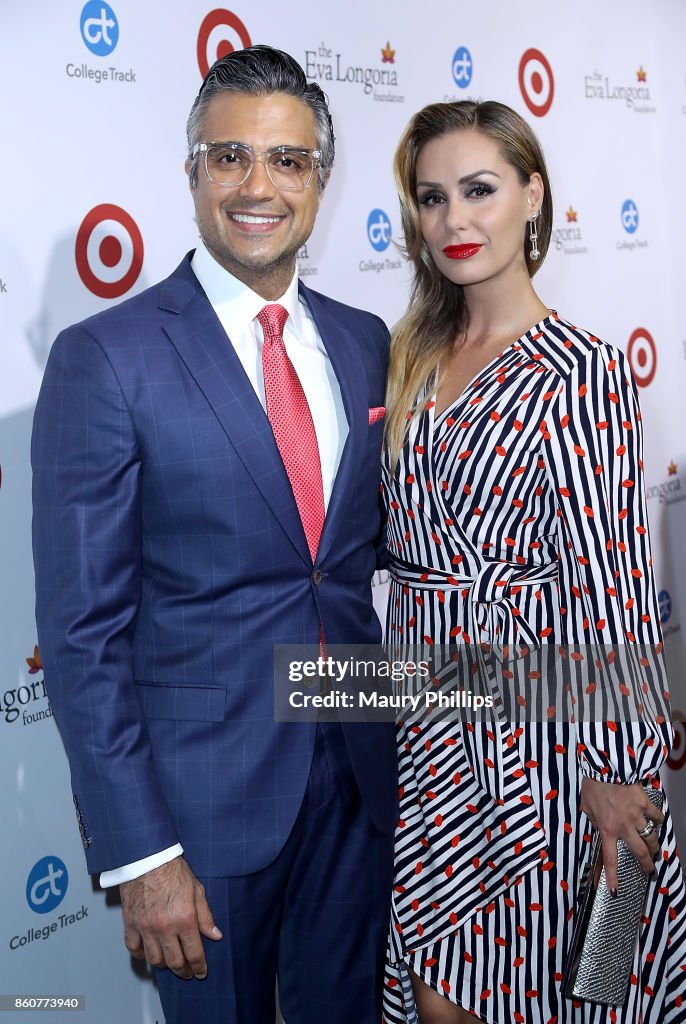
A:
(606, 930)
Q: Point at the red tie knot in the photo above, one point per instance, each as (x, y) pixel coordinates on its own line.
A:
(273, 319)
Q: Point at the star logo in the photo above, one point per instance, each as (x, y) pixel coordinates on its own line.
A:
(571, 215)
(387, 54)
(641, 75)
(35, 664)
(671, 468)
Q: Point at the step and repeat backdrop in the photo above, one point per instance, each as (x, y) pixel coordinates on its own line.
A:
(95, 207)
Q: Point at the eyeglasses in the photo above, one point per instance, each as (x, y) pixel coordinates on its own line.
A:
(230, 163)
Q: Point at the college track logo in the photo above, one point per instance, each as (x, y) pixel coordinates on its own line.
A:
(629, 216)
(379, 230)
(462, 67)
(220, 34)
(100, 34)
(109, 251)
(379, 235)
(536, 82)
(642, 356)
(664, 600)
(630, 220)
(47, 884)
(99, 27)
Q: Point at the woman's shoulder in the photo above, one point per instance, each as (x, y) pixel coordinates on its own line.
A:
(569, 348)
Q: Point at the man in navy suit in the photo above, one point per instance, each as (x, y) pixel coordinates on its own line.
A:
(206, 474)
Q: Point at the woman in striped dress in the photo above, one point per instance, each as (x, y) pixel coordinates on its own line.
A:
(516, 506)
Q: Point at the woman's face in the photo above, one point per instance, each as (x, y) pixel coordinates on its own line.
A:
(473, 208)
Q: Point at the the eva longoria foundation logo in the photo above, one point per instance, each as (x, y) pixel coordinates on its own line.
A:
(100, 34)
(569, 238)
(632, 94)
(387, 54)
(668, 491)
(28, 702)
(377, 78)
(220, 33)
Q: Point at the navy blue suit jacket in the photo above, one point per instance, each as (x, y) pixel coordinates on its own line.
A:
(170, 558)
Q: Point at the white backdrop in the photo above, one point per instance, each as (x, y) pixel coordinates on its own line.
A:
(94, 207)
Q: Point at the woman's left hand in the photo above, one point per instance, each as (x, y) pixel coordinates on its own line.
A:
(621, 812)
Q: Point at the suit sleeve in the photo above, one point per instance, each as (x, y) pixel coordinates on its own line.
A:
(87, 556)
(594, 453)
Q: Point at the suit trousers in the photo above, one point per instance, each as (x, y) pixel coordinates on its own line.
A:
(316, 918)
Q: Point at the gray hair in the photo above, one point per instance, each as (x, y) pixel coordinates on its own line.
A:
(260, 71)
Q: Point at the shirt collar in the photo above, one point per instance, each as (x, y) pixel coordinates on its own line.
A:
(233, 301)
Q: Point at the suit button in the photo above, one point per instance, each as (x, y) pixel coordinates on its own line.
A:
(316, 577)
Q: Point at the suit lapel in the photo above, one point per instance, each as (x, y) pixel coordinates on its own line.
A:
(341, 351)
(201, 342)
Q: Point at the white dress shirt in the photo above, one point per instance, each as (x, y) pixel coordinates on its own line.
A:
(237, 307)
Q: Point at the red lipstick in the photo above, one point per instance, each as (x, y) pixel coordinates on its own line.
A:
(460, 252)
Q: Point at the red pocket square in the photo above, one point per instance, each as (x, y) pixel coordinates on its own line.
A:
(376, 414)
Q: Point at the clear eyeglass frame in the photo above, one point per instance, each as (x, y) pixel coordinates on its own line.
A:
(263, 157)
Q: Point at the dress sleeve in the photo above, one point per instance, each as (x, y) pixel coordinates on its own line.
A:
(593, 450)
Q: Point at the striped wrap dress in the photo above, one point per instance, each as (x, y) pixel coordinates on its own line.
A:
(518, 515)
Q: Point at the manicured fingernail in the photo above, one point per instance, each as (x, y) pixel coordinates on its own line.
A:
(215, 931)
(614, 893)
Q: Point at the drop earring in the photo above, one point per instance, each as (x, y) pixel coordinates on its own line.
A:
(534, 252)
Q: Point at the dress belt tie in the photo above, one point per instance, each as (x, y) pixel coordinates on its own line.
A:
(493, 619)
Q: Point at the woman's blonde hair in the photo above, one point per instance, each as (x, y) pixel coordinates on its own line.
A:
(437, 312)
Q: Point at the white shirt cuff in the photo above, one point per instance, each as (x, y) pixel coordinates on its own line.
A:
(139, 867)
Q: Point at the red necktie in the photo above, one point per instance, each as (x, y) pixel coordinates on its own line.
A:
(291, 421)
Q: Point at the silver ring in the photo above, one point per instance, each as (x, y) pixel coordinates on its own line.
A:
(647, 830)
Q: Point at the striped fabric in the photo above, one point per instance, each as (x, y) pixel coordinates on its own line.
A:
(534, 473)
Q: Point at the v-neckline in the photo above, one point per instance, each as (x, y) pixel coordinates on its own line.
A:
(436, 419)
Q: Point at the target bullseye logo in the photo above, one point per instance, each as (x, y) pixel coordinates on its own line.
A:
(109, 251)
(220, 34)
(536, 82)
(677, 757)
(642, 356)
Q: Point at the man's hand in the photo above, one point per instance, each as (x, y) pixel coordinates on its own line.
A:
(165, 913)
(619, 812)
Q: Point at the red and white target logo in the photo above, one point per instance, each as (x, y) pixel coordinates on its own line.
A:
(536, 82)
(677, 757)
(221, 33)
(642, 356)
(109, 251)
